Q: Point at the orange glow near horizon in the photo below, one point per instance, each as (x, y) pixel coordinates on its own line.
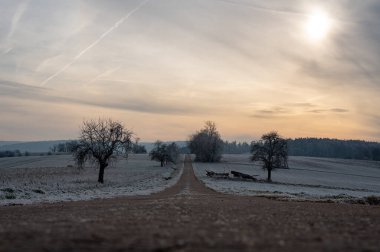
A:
(165, 67)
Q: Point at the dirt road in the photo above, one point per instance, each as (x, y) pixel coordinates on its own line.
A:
(190, 217)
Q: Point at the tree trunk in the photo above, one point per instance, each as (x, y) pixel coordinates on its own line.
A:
(101, 173)
(162, 163)
(269, 175)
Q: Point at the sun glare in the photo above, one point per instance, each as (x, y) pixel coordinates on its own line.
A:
(318, 25)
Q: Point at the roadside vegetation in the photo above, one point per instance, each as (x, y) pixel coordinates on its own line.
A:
(165, 153)
(206, 144)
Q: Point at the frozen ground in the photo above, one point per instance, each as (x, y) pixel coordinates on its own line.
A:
(25, 180)
(308, 177)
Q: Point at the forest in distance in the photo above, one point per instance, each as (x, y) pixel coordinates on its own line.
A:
(319, 147)
(308, 147)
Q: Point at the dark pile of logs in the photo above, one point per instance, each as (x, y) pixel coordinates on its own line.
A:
(235, 174)
(243, 175)
(217, 175)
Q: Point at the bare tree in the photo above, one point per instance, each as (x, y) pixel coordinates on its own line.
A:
(272, 151)
(100, 141)
(158, 153)
(206, 144)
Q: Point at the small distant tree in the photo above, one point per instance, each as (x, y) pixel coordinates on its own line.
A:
(158, 153)
(272, 151)
(137, 148)
(100, 141)
(206, 144)
(164, 153)
(172, 151)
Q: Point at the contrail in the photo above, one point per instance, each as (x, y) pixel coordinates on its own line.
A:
(14, 24)
(265, 9)
(278, 11)
(103, 74)
(105, 34)
(355, 61)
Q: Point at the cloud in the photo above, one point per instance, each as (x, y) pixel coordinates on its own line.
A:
(273, 10)
(348, 56)
(339, 110)
(103, 74)
(14, 89)
(332, 110)
(98, 40)
(271, 112)
(22, 7)
(301, 104)
(373, 127)
(363, 71)
(291, 109)
(41, 94)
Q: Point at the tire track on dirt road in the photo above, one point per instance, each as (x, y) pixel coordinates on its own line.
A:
(188, 185)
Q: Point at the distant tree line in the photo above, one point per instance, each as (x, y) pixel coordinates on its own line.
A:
(227, 148)
(236, 148)
(138, 148)
(8, 153)
(71, 146)
(64, 147)
(334, 148)
(318, 147)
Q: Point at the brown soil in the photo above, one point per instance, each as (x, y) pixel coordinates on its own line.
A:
(190, 217)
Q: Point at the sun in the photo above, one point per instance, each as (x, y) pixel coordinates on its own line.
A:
(318, 25)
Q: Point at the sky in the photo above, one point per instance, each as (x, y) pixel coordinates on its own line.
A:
(163, 67)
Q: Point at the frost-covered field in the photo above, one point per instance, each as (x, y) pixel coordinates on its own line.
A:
(25, 180)
(307, 177)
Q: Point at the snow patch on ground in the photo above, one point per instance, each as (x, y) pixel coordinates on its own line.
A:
(307, 178)
(27, 180)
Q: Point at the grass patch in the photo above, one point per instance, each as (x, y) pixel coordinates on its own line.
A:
(10, 196)
(38, 191)
(8, 190)
(372, 200)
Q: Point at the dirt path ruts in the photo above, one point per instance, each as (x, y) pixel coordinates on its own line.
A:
(189, 217)
(188, 185)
